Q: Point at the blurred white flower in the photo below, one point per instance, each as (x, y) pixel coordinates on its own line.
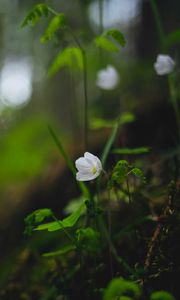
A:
(108, 78)
(89, 167)
(164, 64)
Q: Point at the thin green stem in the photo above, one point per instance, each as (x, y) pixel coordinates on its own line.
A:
(158, 23)
(114, 252)
(128, 190)
(109, 231)
(84, 59)
(174, 100)
(70, 237)
(68, 28)
(171, 81)
(86, 117)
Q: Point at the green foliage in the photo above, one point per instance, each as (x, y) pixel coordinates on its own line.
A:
(104, 43)
(117, 36)
(69, 57)
(161, 295)
(172, 38)
(138, 173)
(68, 222)
(58, 22)
(89, 240)
(109, 40)
(131, 151)
(119, 287)
(37, 12)
(109, 144)
(120, 172)
(126, 117)
(36, 217)
(69, 162)
(24, 150)
(63, 250)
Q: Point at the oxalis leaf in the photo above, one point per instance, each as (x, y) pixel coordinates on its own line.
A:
(69, 57)
(138, 173)
(37, 12)
(63, 250)
(117, 36)
(161, 295)
(119, 287)
(58, 22)
(68, 222)
(131, 151)
(36, 217)
(109, 40)
(104, 43)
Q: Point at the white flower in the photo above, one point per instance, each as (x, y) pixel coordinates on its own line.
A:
(108, 78)
(89, 167)
(164, 64)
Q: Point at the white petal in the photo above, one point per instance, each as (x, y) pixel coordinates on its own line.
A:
(82, 164)
(164, 64)
(85, 177)
(107, 78)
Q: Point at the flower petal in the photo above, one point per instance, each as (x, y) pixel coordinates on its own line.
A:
(85, 177)
(82, 164)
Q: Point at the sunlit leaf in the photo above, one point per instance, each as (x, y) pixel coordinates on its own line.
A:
(117, 36)
(161, 295)
(104, 43)
(37, 12)
(131, 151)
(69, 57)
(126, 117)
(58, 22)
(98, 123)
(138, 173)
(120, 287)
(63, 250)
(68, 222)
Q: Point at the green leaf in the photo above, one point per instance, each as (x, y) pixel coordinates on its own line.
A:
(138, 173)
(126, 117)
(89, 239)
(68, 222)
(109, 144)
(104, 43)
(37, 12)
(98, 123)
(69, 57)
(58, 22)
(161, 295)
(69, 162)
(172, 38)
(120, 172)
(117, 36)
(36, 217)
(61, 251)
(131, 151)
(119, 287)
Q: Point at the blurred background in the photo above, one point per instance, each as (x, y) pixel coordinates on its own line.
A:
(32, 173)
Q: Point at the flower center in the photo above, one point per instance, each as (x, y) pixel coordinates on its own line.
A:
(94, 170)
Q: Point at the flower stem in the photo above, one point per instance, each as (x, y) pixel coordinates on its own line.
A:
(158, 23)
(171, 81)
